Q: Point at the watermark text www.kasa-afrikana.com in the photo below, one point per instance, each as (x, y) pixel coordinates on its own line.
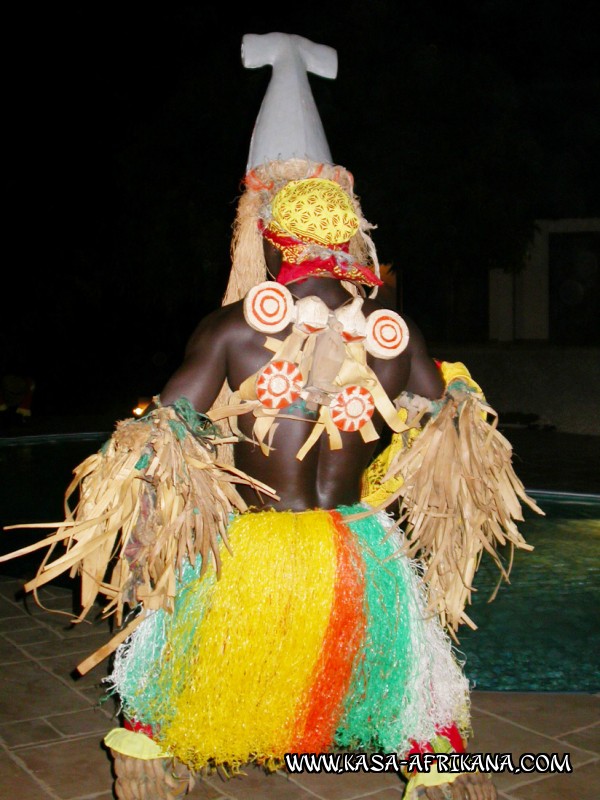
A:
(338, 763)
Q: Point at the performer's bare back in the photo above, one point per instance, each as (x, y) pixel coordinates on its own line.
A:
(224, 346)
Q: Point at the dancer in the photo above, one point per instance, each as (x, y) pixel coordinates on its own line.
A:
(242, 528)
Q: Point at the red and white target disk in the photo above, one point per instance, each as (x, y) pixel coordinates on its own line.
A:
(387, 334)
(279, 384)
(269, 307)
(352, 408)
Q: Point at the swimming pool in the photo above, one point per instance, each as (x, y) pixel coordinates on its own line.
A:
(541, 633)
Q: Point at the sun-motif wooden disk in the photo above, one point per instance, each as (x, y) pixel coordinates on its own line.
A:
(279, 384)
(352, 408)
(387, 334)
(269, 307)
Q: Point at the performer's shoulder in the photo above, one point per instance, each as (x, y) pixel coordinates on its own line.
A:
(224, 318)
(220, 325)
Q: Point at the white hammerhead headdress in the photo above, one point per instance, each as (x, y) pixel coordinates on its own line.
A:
(288, 123)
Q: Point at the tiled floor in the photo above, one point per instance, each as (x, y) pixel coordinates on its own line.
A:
(51, 726)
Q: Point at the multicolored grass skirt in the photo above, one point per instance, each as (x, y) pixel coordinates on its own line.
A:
(313, 639)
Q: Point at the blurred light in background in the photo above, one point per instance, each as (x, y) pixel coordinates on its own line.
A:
(142, 405)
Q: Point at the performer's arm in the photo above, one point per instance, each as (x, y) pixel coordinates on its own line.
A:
(204, 367)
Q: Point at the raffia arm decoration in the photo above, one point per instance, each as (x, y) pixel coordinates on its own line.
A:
(153, 496)
(460, 498)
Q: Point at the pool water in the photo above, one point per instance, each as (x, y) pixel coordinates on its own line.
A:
(541, 633)
(34, 474)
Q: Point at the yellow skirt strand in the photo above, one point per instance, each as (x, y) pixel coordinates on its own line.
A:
(277, 642)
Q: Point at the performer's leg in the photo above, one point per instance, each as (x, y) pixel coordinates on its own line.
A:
(148, 779)
(464, 786)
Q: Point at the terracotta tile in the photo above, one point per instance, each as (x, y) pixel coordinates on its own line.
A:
(88, 720)
(59, 619)
(9, 654)
(493, 735)
(72, 768)
(64, 666)
(8, 608)
(96, 699)
(33, 731)
(348, 785)
(65, 626)
(204, 791)
(18, 621)
(548, 713)
(40, 633)
(29, 692)
(52, 590)
(583, 784)
(48, 619)
(255, 784)
(586, 738)
(58, 597)
(75, 645)
(18, 783)
(10, 587)
(63, 602)
(14, 589)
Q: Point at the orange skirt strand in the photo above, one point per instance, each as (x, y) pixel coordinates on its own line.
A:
(343, 639)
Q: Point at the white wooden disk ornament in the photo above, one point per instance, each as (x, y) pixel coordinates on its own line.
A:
(279, 384)
(387, 334)
(352, 408)
(269, 307)
(354, 324)
(312, 314)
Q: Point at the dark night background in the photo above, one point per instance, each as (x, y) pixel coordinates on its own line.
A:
(128, 131)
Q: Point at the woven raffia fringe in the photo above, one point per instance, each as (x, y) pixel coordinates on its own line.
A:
(460, 497)
(153, 497)
(153, 779)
